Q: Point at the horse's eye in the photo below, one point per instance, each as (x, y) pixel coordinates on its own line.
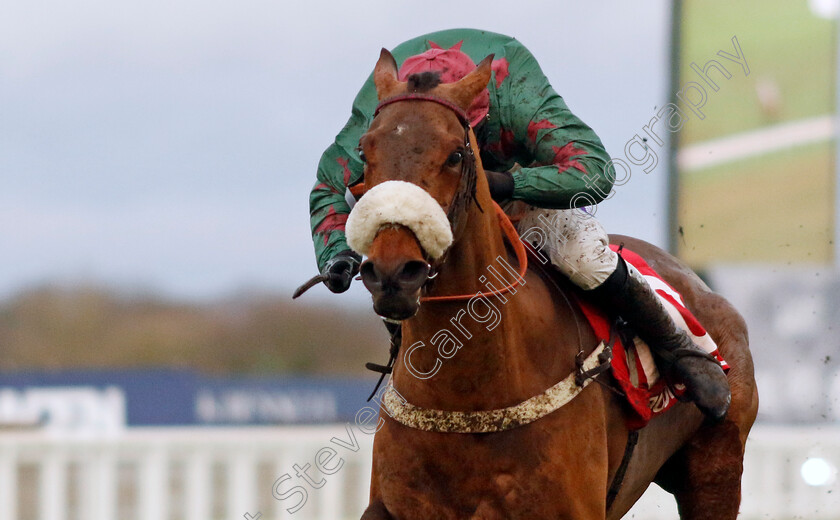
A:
(454, 158)
(362, 156)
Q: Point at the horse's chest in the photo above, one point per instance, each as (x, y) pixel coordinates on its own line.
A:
(468, 476)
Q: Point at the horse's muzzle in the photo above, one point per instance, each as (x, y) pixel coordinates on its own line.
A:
(396, 287)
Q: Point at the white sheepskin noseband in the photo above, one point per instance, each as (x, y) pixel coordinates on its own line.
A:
(404, 203)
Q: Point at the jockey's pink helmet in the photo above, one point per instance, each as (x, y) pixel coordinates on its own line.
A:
(452, 65)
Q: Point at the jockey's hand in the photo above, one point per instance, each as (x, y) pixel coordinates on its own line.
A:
(341, 269)
(501, 185)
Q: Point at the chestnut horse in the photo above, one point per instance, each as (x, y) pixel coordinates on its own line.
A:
(562, 464)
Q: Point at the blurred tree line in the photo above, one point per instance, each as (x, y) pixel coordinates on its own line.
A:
(94, 327)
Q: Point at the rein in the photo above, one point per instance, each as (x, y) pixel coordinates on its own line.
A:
(510, 233)
(466, 189)
(521, 258)
(464, 194)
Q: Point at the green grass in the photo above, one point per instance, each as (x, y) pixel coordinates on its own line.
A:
(782, 41)
(776, 208)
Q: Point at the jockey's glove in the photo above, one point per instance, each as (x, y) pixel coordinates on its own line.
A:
(341, 269)
(501, 185)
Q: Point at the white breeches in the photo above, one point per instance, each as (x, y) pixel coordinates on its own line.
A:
(574, 242)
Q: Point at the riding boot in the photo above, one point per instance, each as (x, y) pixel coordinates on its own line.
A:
(678, 357)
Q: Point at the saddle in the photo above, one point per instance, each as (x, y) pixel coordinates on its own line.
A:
(634, 371)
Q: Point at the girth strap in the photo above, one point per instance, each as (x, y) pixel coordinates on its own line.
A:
(618, 479)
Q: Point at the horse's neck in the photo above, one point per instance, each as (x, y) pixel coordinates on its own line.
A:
(471, 255)
(494, 336)
(466, 266)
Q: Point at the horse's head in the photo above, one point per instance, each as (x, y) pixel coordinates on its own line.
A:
(420, 173)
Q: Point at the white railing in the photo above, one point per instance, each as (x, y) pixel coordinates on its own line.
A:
(773, 487)
(208, 474)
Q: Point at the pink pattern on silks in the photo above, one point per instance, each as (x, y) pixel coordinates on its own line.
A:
(500, 67)
(563, 157)
(343, 162)
(504, 146)
(332, 222)
(536, 126)
(324, 185)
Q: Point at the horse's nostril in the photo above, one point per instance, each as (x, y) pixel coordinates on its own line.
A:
(370, 276)
(413, 274)
(408, 276)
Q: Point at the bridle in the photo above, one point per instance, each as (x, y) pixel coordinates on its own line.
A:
(457, 220)
(464, 195)
(466, 189)
(587, 368)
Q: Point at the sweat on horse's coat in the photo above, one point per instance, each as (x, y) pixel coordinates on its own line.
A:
(404, 203)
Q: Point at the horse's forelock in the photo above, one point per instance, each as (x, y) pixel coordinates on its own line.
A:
(423, 81)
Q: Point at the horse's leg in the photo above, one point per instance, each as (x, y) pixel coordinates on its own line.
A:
(708, 469)
(705, 475)
(376, 511)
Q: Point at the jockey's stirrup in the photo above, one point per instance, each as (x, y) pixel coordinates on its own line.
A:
(678, 358)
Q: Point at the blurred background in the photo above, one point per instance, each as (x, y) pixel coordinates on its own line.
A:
(155, 165)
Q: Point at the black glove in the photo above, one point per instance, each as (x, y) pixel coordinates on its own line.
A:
(501, 185)
(341, 269)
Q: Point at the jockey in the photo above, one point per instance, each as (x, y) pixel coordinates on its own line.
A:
(520, 120)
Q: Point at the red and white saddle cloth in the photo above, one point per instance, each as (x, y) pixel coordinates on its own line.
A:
(632, 365)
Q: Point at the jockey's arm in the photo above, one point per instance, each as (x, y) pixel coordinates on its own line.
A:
(569, 159)
(340, 167)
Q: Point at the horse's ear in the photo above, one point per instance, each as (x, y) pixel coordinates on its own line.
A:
(465, 90)
(385, 75)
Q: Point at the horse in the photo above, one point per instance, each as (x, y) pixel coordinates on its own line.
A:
(501, 346)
